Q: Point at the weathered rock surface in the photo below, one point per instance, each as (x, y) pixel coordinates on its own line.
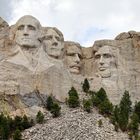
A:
(74, 124)
(38, 59)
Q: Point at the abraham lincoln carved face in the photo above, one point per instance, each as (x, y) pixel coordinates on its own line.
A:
(105, 61)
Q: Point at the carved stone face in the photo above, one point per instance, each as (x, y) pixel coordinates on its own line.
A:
(73, 59)
(105, 61)
(53, 43)
(27, 32)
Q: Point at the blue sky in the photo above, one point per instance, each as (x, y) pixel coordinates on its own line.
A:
(82, 21)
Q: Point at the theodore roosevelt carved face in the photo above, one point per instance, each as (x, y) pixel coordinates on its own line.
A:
(73, 56)
(27, 32)
(105, 61)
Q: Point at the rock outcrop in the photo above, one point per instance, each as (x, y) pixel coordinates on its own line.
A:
(36, 62)
(74, 124)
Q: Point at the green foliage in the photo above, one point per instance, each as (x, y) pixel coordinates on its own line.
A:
(4, 127)
(99, 97)
(116, 126)
(73, 100)
(87, 105)
(106, 107)
(8, 126)
(49, 103)
(134, 125)
(55, 110)
(124, 111)
(101, 94)
(18, 123)
(100, 123)
(86, 85)
(137, 109)
(25, 122)
(95, 100)
(17, 135)
(32, 123)
(40, 117)
(115, 115)
(73, 92)
(91, 93)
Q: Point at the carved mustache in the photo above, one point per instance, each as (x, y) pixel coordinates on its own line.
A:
(75, 66)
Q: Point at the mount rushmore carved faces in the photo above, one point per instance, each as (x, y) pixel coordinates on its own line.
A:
(105, 61)
(27, 31)
(54, 42)
(72, 57)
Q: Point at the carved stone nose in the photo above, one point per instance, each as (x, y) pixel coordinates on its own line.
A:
(55, 43)
(25, 34)
(101, 61)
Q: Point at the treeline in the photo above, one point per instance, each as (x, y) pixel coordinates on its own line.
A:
(123, 116)
(11, 128)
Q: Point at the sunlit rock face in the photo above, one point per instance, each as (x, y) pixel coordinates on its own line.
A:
(73, 57)
(53, 42)
(36, 62)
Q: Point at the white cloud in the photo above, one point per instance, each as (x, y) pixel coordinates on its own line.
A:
(83, 21)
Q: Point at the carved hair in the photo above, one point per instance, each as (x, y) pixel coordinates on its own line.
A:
(114, 51)
(14, 27)
(71, 43)
(46, 29)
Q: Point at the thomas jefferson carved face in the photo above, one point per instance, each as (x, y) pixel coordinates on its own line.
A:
(27, 32)
(105, 61)
(73, 58)
(53, 43)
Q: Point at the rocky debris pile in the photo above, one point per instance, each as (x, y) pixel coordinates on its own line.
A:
(74, 124)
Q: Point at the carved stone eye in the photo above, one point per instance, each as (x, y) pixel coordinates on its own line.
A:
(48, 37)
(30, 27)
(107, 55)
(70, 54)
(57, 38)
(21, 27)
(97, 56)
(80, 56)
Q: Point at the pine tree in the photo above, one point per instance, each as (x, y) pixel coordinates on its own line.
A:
(101, 94)
(73, 100)
(25, 122)
(18, 123)
(115, 115)
(55, 110)
(99, 97)
(106, 108)
(86, 85)
(125, 109)
(134, 125)
(49, 103)
(17, 135)
(4, 127)
(73, 92)
(137, 109)
(39, 117)
(87, 105)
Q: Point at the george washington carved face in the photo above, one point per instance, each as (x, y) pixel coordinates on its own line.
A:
(27, 32)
